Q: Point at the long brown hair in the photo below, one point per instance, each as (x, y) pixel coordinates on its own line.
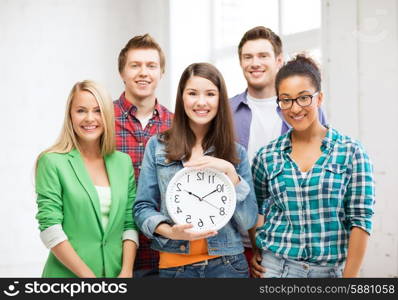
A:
(180, 138)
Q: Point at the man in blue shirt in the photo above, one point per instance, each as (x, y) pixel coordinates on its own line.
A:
(255, 111)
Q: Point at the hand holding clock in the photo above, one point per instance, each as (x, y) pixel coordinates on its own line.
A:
(202, 197)
(215, 163)
(181, 232)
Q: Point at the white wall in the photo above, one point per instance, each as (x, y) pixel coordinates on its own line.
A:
(190, 37)
(46, 46)
(360, 50)
(152, 16)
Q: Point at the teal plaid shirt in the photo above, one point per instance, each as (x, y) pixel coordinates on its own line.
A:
(308, 217)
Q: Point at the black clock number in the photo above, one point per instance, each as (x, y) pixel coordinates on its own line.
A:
(188, 178)
(211, 178)
(200, 176)
(211, 218)
(178, 187)
(200, 223)
(179, 210)
(224, 199)
(220, 188)
(176, 199)
(222, 211)
(188, 219)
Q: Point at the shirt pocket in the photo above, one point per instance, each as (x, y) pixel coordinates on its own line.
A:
(333, 183)
(277, 188)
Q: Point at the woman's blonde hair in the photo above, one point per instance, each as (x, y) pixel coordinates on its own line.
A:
(67, 140)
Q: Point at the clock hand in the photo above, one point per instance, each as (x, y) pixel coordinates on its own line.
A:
(201, 199)
(209, 193)
(192, 194)
(210, 203)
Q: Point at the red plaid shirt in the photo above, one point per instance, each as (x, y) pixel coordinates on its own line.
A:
(131, 138)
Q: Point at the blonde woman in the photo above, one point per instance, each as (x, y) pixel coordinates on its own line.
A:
(85, 192)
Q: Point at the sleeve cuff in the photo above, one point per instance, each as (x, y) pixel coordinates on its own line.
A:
(131, 235)
(364, 225)
(150, 224)
(261, 211)
(242, 189)
(264, 207)
(53, 235)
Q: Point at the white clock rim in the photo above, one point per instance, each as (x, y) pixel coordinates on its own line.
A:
(188, 169)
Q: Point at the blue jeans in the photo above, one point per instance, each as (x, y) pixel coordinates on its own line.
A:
(227, 266)
(277, 267)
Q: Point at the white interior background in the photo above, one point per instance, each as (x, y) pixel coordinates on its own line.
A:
(48, 45)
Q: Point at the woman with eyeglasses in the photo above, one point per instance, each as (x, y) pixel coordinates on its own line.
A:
(314, 187)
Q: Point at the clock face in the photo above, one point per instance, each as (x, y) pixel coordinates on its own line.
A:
(204, 198)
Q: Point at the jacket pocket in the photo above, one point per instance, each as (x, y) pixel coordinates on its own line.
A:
(166, 169)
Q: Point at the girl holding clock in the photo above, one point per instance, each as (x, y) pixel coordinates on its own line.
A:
(201, 137)
(314, 186)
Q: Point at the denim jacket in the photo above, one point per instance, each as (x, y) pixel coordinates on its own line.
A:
(150, 207)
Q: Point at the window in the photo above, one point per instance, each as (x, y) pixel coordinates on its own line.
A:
(210, 30)
(298, 23)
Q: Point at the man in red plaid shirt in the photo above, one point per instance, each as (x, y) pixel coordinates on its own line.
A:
(138, 116)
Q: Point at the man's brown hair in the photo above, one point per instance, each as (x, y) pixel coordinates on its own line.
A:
(261, 32)
(141, 42)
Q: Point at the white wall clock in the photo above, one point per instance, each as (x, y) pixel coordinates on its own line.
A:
(205, 198)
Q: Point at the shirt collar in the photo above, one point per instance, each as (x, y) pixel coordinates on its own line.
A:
(206, 152)
(287, 141)
(131, 109)
(242, 100)
(327, 142)
(330, 138)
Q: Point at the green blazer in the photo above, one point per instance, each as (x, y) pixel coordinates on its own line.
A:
(67, 196)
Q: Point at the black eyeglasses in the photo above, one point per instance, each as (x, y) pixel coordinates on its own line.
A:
(303, 101)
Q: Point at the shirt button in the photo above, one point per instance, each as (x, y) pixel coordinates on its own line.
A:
(140, 144)
(166, 161)
(182, 248)
(139, 167)
(305, 267)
